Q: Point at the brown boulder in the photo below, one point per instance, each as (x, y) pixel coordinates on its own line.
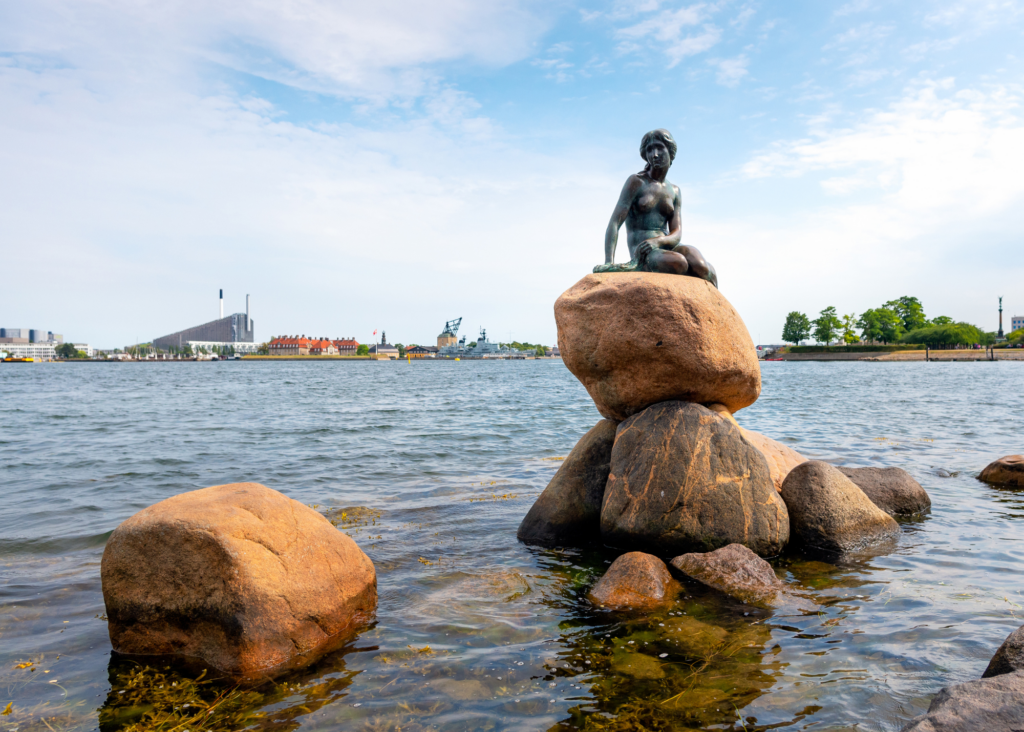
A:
(1009, 657)
(739, 573)
(568, 512)
(684, 479)
(638, 338)
(830, 514)
(239, 576)
(635, 580)
(891, 489)
(781, 459)
(1007, 470)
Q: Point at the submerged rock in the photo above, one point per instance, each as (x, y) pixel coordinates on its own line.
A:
(781, 459)
(1009, 657)
(891, 489)
(986, 705)
(1007, 470)
(634, 581)
(638, 338)
(830, 514)
(568, 512)
(739, 573)
(684, 479)
(239, 576)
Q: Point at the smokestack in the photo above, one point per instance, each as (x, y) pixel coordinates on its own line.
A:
(222, 304)
(247, 326)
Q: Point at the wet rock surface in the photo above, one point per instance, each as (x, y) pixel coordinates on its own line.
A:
(684, 479)
(738, 572)
(634, 581)
(893, 490)
(1009, 657)
(239, 576)
(829, 514)
(985, 705)
(1007, 470)
(568, 512)
(638, 338)
(781, 459)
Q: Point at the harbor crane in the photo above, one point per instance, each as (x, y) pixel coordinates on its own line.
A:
(452, 326)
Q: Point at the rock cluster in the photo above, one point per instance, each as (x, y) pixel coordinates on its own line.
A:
(239, 576)
(891, 489)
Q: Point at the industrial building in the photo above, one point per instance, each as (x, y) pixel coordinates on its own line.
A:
(235, 331)
(29, 335)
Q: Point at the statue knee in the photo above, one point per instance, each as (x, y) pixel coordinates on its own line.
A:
(698, 266)
(669, 262)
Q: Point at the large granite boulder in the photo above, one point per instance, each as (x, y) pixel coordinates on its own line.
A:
(739, 573)
(781, 459)
(568, 512)
(239, 576)
(828, 513)
(985, 705)
(634, 581)
(638, 338)
(1007, 470)
(684, 479)
(891, 489)
(1009, 657)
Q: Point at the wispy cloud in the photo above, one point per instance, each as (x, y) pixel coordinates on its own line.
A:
(671, 30)
(730, 71)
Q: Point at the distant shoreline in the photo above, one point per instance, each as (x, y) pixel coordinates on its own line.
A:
(964, 354)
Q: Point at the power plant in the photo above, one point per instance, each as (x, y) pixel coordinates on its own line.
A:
(235, 330)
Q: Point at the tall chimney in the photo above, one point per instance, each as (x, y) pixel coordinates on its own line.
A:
(247, 326)
(222, 304)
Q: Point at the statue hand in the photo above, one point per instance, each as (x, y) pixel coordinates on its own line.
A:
(643, 249)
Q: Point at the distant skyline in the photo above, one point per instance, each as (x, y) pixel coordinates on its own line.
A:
(393, 165)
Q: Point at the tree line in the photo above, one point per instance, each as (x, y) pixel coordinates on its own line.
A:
(897, 321)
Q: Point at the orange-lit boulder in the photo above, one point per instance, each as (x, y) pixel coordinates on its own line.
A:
(634, 581)
(239, 576)
(638, 338)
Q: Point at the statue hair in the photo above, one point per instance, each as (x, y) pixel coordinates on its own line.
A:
(662, 136)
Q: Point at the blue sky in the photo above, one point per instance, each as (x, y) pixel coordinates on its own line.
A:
(358, 166)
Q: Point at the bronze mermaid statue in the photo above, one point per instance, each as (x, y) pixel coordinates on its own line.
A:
(650, 207)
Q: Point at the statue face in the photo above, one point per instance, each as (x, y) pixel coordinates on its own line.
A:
(657, 155)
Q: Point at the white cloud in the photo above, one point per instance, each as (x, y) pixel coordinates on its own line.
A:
(730, 70)
(669, 28)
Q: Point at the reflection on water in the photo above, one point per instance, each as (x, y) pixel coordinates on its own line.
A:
(430, 467)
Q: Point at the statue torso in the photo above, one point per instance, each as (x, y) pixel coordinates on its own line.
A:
(650, 212)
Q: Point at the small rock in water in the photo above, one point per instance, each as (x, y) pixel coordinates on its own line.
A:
(1007, 470)
(829, 514)
(893, 490)
(635, 580)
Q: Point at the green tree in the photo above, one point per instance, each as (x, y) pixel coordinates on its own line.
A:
(910, 312)
(870, 325)
(67, 350)
(942, 320)
(264, 349)
(797, 328)
(891, 325)
(827, 326)
(401, 350)
(849, 323)
(539, 351)
(363, 350)
(954, 334)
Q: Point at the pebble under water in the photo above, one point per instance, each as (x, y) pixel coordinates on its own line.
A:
(430, 467)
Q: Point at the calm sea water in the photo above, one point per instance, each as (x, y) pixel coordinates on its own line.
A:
(435, 465)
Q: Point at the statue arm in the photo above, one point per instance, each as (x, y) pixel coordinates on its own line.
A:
(611, 235)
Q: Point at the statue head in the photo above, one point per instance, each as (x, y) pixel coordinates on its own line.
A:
(656, 140)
